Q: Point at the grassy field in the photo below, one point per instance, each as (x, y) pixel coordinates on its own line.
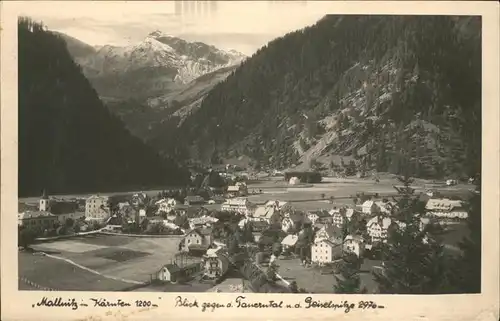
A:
(275, 187)
(188, 287)
(62, 276)
(126, 258)
(306, 277)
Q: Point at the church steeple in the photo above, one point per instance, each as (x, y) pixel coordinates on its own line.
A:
(44, 204)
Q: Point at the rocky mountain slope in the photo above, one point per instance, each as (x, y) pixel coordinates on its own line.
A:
(68, 140)
(158, 65)
(151, 118)
(155, 83)
(394, 93)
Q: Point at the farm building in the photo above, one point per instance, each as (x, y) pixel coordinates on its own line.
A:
(174, 273)
(304, 177)
(197, 239)
(446, 208)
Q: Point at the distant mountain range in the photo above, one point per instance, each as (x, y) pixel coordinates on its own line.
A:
(156, 82)
(158, 65)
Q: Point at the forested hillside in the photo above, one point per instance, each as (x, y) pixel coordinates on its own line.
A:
(68, 141)
(396, 93)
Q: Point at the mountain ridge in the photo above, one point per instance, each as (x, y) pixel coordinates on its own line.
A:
(403, 96)
(152, 67)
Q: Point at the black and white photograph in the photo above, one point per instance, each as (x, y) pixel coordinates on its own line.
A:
(178, 147)
(334, 154)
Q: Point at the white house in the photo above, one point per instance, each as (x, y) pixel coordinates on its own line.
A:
(215, 263)
(289, 242)
(240, 205)
(169, 273)
(266, 214)
(166, 205)
(446, 208)
(36, 219)
(338, 216)
(377, 228)
(197, 239)
(203, 221)
(325, 251)
(96, 208)
(354, 244)
(369, 207)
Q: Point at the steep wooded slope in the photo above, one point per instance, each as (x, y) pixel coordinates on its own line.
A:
(68, 141)
(397, 93)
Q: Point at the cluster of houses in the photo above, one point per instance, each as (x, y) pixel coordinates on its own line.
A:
(49, 212)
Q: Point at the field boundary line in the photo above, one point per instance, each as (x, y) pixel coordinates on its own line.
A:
(35, 285)
(152, 236)
(92, 271)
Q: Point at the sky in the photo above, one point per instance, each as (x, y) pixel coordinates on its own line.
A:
(243, 26)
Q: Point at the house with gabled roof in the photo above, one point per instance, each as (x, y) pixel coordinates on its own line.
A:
(325, 251)
(35, 219)
(96, 208)
(267, 214)
(329, 232)
(377, 228)
(369, 207)
(239, 189)
(196, 239)
(319, 216)
(354, 244)
(215, 263)
(338, 216)
(194, 200)
(169, 273)
(240, 205)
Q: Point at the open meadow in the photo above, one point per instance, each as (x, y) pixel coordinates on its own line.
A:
(114, 262)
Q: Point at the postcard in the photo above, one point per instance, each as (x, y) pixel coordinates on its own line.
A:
(269, 160)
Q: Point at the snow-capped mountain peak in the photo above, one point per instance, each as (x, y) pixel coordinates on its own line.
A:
(153, 44)
(159, 34)
(158, 62)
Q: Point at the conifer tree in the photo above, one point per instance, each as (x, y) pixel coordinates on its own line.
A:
(413, 262)
(469, 263)
(348, 280)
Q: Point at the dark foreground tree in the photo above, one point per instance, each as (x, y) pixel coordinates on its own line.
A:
(414, 262)
(26, 236)
(348, 280)
(469, 263)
